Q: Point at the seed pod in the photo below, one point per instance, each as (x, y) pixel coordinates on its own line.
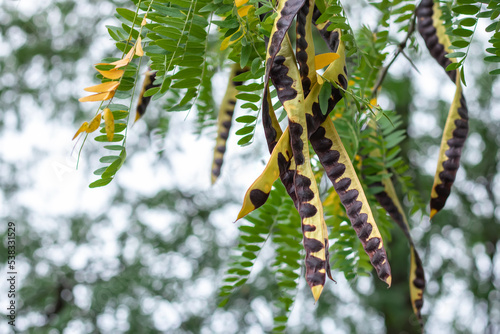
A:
(224, 120)
(286, 78)
(338, 167)
(430, 26)
(390, 202)
(259, 191)
(305, 47)
(143, 101)
(454, 135)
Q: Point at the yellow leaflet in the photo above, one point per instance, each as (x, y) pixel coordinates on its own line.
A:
(104, 87)
(325, 59)
(97, 97)
(262, 185)
(109, 122)
(94, 124)
(138, 49)
(227, 41)
(239, 3)
(450, 126)
(143, 23)
(111, 74)
(121, 63)
(82, 128)
(243, 11)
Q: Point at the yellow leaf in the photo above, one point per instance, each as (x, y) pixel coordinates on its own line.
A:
(112, 74)
(227, 41)
(138, 49)
(97, 97)
(143, 23)
(94, 124)
(104, 87)
(325, 59)
(120, 63)
(109, 122)
(373, 102)
(82, 128)
(243, 11)
(239, 3)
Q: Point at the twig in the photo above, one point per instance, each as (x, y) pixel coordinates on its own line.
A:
(400, 50)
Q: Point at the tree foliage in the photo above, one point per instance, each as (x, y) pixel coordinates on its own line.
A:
(303, 67)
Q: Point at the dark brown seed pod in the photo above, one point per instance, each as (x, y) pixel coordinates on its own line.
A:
(338, 167)
(454, 136)
(431, 28)
(143, 101)
(390, 202)
(224, 120)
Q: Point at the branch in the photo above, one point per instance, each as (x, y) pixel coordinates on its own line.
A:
(400, 50)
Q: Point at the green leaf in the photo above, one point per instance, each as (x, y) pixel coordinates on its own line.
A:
(248, 97)
(250, 106)
(468, 22)
(100, 183)
(455, 55)
(324, 95)
(109, 158)
(495, 72)
(186, 83)
(460, 43)
(104, 138)
(462, 32)
(246, 119)
(245, 130)
(452, 66)
(466, 9)
(492, 59)
(245, 140)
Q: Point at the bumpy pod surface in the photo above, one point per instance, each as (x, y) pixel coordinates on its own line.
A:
(224, 120)
(338, 167)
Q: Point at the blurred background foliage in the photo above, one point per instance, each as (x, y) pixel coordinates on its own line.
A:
(146, 255)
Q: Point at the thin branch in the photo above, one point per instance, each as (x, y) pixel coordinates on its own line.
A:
(400, 50)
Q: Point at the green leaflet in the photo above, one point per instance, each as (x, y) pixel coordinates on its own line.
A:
(338, 167)
(224, 120)
(452, 142)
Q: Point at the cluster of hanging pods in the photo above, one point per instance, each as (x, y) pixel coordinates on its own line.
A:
(298, 86)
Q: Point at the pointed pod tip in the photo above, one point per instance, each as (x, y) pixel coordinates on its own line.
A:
(388, 280)
(316, 291)
(433, 213)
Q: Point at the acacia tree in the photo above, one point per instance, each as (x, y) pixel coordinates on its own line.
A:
(325, 93)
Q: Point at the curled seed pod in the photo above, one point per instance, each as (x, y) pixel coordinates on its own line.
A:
(338, 167)
(224, 120)
(143, 101)
(259, 191)
(390, 202)
(452, 142)
(433, 32)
